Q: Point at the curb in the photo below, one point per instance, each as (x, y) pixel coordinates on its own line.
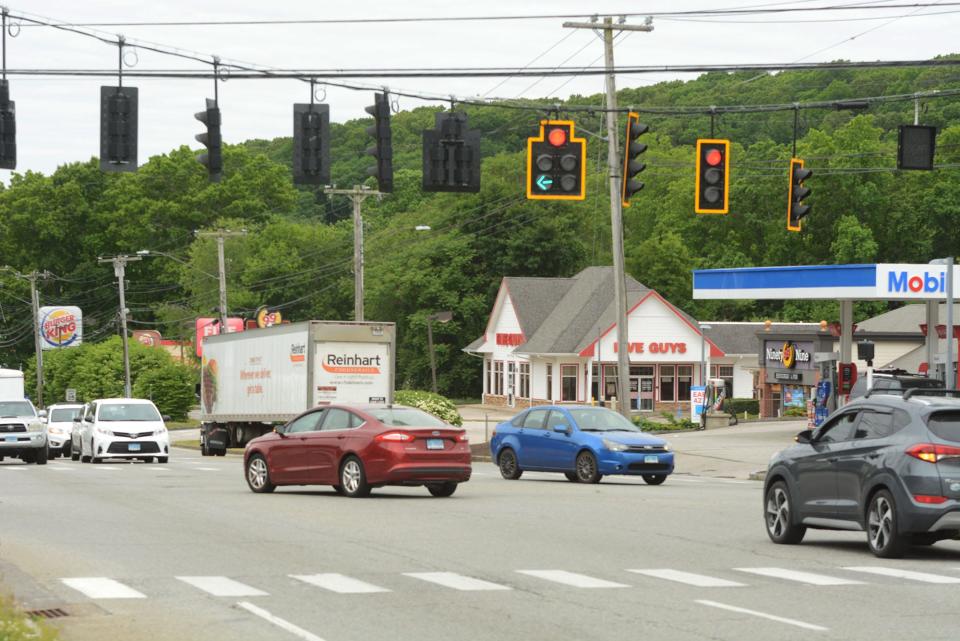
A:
(758, 475)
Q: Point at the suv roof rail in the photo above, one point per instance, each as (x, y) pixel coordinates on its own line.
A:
(920, 391)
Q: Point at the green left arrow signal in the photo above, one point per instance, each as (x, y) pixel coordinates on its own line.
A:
(544, 182)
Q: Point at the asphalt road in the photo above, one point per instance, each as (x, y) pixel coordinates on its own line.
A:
(119, 547)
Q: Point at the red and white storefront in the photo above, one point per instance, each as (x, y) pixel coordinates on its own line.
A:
(664, 352)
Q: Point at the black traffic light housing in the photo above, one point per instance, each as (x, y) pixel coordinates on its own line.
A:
(796, 210)
(118, 128)
(556, 163)
(713, 177)
(213, 158)
(916, 145)
(8, 128)
(382, 150)
(632, 151)
(311, 144)
(451, 155)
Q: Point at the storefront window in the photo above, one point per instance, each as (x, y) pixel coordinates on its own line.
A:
(488, 373)
(498, 378)
(524, 380)
(684, 378)
(610, 381)
(549, 382)
(568, 383)
(511, 378)
(667, 373)
(595, 382)
(726, 373)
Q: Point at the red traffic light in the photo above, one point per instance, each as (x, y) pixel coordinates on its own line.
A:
(714, 157)
(557, 137)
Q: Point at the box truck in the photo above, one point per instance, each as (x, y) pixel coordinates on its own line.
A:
(11, 385)
(250, 381)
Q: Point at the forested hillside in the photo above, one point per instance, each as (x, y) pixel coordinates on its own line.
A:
(297, 254)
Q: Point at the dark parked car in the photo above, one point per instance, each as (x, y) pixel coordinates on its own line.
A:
(886, 464)
(893, 381)
(358, 447)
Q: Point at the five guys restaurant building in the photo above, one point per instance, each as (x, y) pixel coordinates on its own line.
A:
(552, 340)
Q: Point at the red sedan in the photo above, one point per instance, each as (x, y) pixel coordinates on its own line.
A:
(358, 447)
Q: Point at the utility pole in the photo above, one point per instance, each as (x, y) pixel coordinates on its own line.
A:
(120, 270)
(616, 211)
(357, 195)
(32, 278)
(221, 235)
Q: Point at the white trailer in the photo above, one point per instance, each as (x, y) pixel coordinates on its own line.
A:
(253, 380)
(11, 385)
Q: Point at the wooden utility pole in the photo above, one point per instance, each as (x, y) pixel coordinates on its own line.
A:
(357, 195)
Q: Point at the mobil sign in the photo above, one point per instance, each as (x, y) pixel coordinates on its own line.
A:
(904, 281)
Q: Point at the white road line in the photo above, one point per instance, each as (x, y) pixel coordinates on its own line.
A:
(763, 615)
(905, 574)
(104, 468)
(801, 577)
(572, 579)
(339, 583)
(456, 581)
(277, 621)
(699, 580)
(13, 467)
(208, 469)
(221, 586)
(102, 588)
(61, 468)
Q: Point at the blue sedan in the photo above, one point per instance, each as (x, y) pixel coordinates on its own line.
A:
(585, 443)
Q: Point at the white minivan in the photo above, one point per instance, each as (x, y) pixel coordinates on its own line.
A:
(127, 428)
(59, 425)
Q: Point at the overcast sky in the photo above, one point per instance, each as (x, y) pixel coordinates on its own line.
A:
(58, 118)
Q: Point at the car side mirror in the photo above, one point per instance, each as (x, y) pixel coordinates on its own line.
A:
(804, 437)
(561, 428)
(42, 413)
(88, 418)
(279, 432)
(166, 418)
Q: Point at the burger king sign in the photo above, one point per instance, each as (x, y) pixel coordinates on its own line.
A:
(60, 327)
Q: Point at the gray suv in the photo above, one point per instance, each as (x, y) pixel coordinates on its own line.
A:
(23, 433)
(886, 464)
(893, 381)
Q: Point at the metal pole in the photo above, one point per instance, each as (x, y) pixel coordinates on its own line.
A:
(222, 267)
(38, 346)
(358, 261)
(120, 270)
(950, 378)
(703, 359)
(433, 358)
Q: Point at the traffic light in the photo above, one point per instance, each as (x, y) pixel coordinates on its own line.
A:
(8, 128)
(451, 155)
(796, 210)
(632, 166)
(556, 163)
(383, 149)
(213, 159)
(118, 128)
(713, 177)
(311, 144)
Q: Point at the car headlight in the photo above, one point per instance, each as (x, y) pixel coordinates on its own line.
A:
(100, 430)
(613, 446)
(160, 432)
(667, 448)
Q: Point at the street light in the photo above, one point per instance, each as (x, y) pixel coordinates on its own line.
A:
(703, 353)
(154, 252)
(948, 360)
(440, 317)
(422, 228)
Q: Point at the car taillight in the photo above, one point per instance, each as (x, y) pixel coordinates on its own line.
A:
(932, 453)
(929, 500)
(494, 433)
(462, 437)
(397, 437)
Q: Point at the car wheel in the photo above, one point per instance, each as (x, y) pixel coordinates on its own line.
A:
(41, 456)
(148, 459)
(162, 459)
(509, 467)
(353, 479)
(779, 518)
(66, 450)
(654, 479)
(883, 535)
(221, 452)
(28, 457)
(258, 475)
(442, 489)
(571, 476)
(204, 450)
(587, 471)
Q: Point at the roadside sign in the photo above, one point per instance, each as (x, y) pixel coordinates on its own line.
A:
(71, 395)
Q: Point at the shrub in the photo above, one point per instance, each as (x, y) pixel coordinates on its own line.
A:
(741, 405)
(16, 626)
(169, 386)
(438, 405)
(795, 411)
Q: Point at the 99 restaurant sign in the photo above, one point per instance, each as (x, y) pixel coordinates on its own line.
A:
(788, 354)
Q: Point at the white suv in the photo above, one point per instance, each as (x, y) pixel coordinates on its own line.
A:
(22, 432)
(59, 425)
(126, 428)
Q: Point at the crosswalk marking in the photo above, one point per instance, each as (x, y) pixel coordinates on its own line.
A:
(572, 579)
(207, 469)
(763, 615)
(221, 586)
(102, 588)
(801, 577)
(456, 581)
(698, 580)
(905, 574)
(339, 583)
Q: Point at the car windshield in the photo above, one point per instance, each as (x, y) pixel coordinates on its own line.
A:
(946, 425)
(602, 420)
(13, 409)
(131, 412)
(64, 414)
(406, 417)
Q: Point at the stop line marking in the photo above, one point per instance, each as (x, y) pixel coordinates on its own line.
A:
(763, 615)
(277, 621)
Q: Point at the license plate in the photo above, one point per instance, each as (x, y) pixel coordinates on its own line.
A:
(10, 439)
(651, 458)
(134, 447)
(434, 443)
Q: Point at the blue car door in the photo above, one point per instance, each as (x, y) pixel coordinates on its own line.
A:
(533, 444)
(560, 449)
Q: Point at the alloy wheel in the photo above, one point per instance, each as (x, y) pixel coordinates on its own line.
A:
(257, 473)
(778, 512)
(350, 477)
(880, 523)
